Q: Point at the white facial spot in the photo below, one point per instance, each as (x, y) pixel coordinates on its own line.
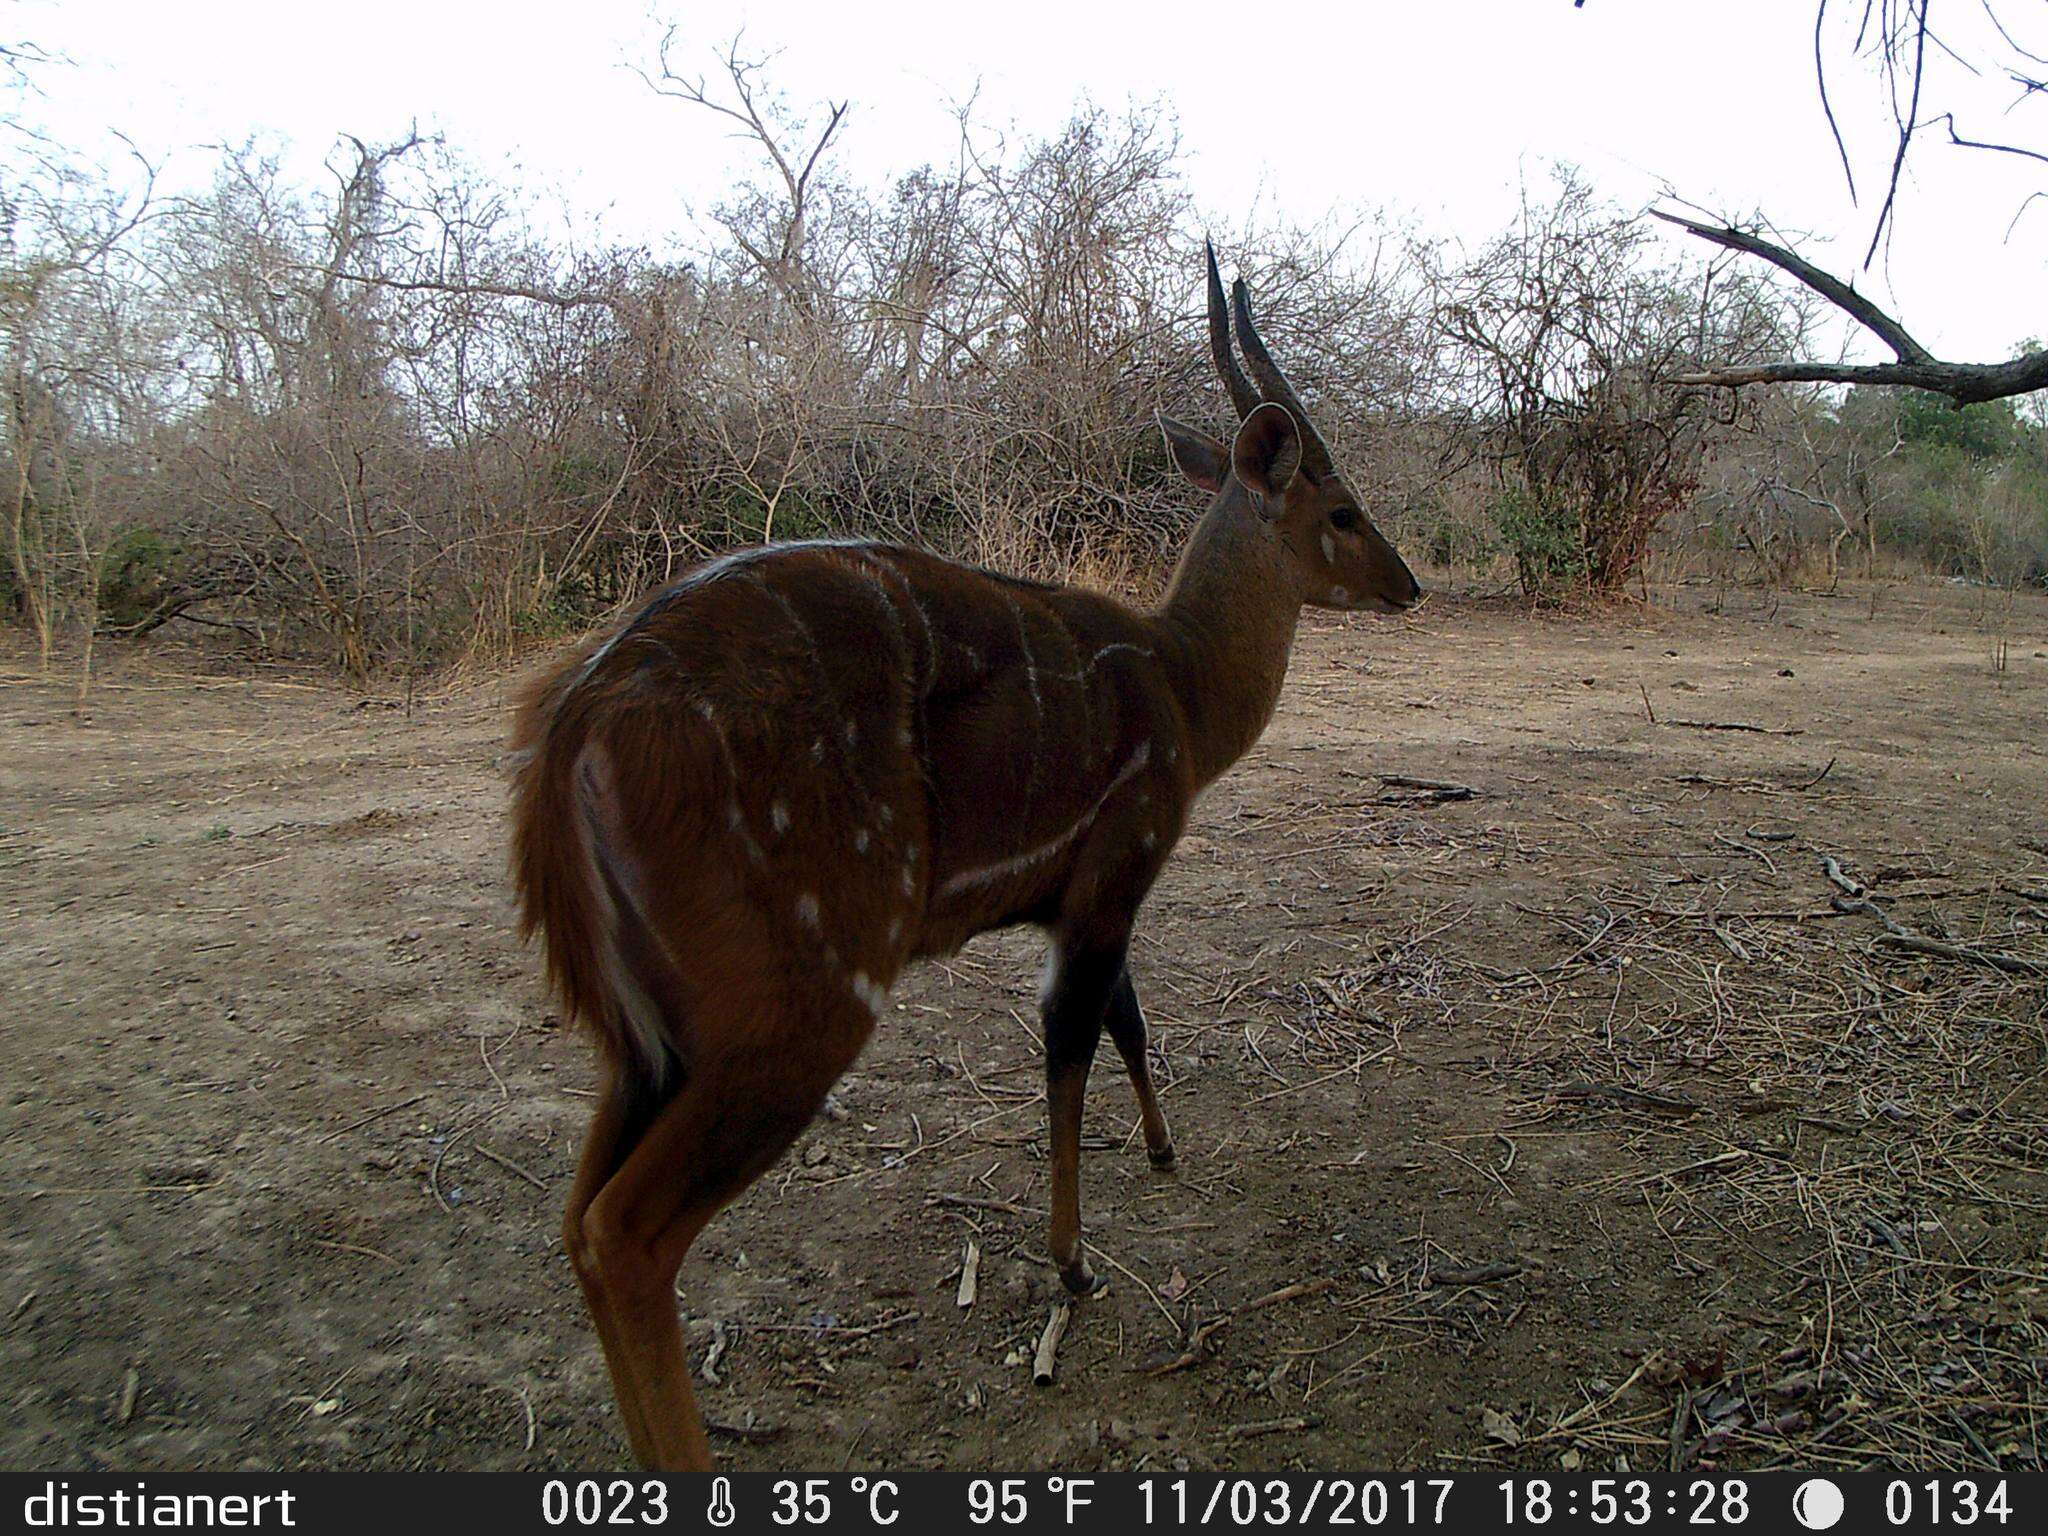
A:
(1329, 549)
(778, 816)
(875, 997)
(807, 911)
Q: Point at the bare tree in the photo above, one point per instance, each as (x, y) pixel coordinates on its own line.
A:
(1568, 335)
(1899, 41)
(81, 365)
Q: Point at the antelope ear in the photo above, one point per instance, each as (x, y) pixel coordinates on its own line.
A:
(1267, 455)
(1200, 457)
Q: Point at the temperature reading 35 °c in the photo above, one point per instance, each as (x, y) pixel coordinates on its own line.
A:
(810, 1502)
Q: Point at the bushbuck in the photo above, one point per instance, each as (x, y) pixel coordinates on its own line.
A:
(801, 767)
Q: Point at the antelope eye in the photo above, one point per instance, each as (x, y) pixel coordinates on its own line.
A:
(1345, 518)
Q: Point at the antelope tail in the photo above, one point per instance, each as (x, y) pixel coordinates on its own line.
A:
(575, 876)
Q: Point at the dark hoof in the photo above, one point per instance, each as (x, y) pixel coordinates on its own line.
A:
(1079, 1279)
(1163, 1158)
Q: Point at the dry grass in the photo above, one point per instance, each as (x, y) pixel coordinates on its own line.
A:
(1789, 1078)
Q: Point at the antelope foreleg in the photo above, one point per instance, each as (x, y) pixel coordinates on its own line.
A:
(1074, 1007)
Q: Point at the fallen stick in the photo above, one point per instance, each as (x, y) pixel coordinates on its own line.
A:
(1293, 1292)
(751, 1434)
(1738, 725)
(1204, 1332)
(721, 1340)
(970, 1203)
(375, 1114)
(1662, 1103)
(970, 1275)
(1848, 885)
(1270, 1427)
(508, 1165)
(838, 1330)
(1043, 1362)
(1898, 936)
(1425, 791)
(1476, 1274)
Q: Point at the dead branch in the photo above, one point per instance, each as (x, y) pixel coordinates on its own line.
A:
(1916, 368)
(1898, 936)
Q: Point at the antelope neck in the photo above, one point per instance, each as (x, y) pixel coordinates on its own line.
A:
(1229, 617)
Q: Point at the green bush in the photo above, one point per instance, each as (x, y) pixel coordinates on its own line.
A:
(139, 570)
(1544, 536)
(1452, 541)
(569, 606)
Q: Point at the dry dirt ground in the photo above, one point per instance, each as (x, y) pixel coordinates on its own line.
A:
(1571, 1123)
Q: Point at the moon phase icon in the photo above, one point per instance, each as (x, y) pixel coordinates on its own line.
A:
(1817, 1504)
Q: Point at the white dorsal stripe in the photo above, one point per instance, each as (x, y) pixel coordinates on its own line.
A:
(1097, 659)
(711, 571)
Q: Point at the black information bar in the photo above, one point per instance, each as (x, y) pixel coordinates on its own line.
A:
(1116, 1502)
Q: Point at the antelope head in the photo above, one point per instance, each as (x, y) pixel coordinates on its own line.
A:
(1280, 468)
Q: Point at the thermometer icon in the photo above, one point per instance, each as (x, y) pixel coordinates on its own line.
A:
(721, 1511)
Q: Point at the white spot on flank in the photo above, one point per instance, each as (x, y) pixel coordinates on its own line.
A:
(909, 880)
(876, 997)
(852, 733)
(1340, 594)
(1329, 549)
(1151, 841)
(818, 750)
(778, 817)
(807, 911)
(860, 840)
(737, 820)
(895, 929)
(884, 814)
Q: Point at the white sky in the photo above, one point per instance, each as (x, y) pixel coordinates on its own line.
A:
(1433, 109)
